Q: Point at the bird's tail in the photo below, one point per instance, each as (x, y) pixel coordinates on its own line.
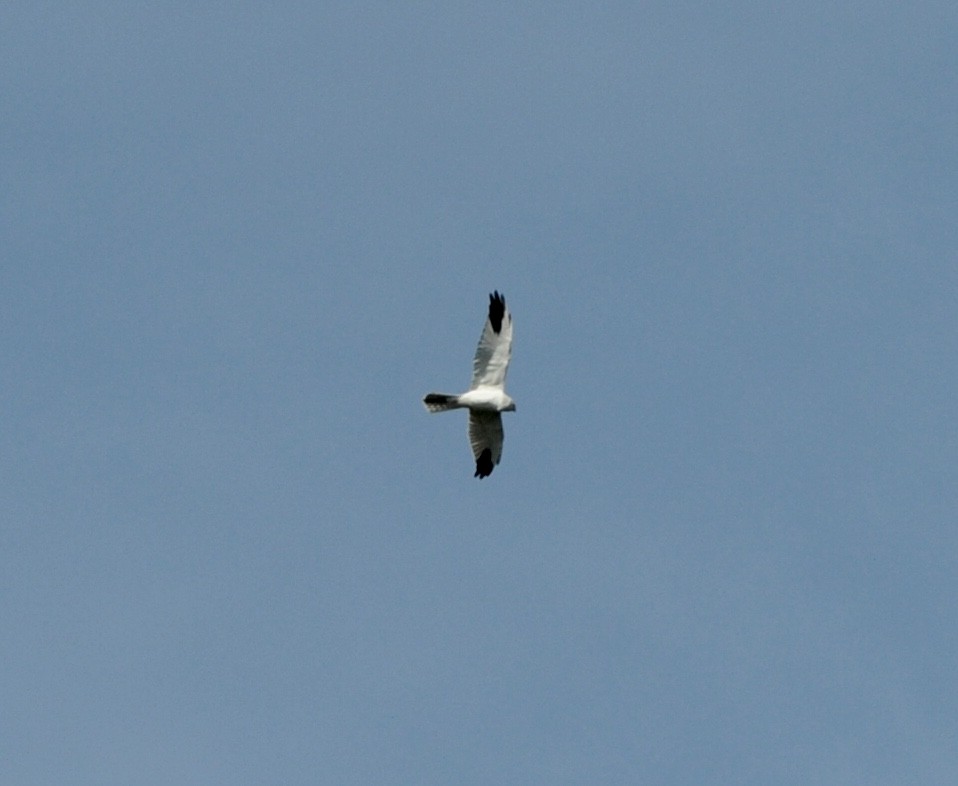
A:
(440, 402)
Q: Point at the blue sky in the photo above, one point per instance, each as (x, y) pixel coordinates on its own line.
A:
(240, 243)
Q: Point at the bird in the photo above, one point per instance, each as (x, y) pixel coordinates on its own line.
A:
(486, 399)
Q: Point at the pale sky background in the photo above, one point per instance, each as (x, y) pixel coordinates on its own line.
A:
(240, 242)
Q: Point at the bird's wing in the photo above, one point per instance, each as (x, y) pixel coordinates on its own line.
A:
(495, 346)
(485, 436)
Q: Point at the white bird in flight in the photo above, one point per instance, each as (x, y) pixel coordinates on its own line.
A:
(487, 398)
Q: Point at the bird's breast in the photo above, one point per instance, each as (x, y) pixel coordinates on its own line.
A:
(486, 400)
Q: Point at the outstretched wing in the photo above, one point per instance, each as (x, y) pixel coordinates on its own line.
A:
(495, 346)
(485, 436)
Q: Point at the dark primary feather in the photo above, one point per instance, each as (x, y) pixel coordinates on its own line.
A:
(484, 464)
(497, 309)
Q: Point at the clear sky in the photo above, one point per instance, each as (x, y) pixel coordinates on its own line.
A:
(240, 242)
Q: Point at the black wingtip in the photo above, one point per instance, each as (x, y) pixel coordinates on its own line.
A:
(497, 310)
(484, 464)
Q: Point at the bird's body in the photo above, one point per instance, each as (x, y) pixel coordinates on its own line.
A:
(487, 397)
(483, 399)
